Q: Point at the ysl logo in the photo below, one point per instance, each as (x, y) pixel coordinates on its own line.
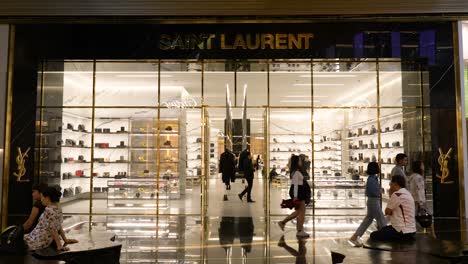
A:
(443, 162)
(20, 161)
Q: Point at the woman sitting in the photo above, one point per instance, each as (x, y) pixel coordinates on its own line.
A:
(49, 228)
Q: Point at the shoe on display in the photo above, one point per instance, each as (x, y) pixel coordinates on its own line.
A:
(302, 234)
(168, 128)
(167, 143)
(281, 225)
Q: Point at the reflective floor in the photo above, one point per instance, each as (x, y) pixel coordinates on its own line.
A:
(236, 232)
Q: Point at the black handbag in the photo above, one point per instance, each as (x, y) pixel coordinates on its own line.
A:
(12, 242)
(424, 218)
(289, 203)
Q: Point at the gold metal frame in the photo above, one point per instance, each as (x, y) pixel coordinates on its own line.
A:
(8, 118)
(461, 149)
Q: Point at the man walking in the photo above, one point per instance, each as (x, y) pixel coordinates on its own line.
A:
(401, 161)
(249, 176)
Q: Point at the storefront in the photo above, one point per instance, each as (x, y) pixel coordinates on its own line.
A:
(130, 119)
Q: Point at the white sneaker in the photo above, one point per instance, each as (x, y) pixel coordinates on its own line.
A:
(302, 234)
(355, 243)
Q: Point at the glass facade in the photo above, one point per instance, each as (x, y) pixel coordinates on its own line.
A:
(133, 131)
(127, 137)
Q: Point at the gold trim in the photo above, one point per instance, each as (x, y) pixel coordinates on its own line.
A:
(264, 19)
(91, 177)
(379, 126)
(312, 132)
(41, 119)
(8, 117)
(460, 120)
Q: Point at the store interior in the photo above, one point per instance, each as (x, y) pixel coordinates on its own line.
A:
(137, 144)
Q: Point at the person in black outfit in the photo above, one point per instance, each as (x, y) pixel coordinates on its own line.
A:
(242, 157)
(249, 176)
(37, 209)
(227, 167)
(273, 174)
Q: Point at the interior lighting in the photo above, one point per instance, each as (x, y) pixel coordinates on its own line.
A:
(319, 84)
(334, 75)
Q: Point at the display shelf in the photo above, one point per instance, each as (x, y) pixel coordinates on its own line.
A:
(125, 133)
(396, 131)
(290, 151)
(62, 131)
(328, 150)
(290, 143)
(374, 121)
(64, 146)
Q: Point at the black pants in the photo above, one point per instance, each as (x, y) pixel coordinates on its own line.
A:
(388, 233)
(248, 189)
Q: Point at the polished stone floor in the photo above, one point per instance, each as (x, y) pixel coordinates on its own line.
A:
(234, 231)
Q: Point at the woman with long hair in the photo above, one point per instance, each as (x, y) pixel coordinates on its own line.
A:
(374, 211)
(417, 188)
(298, 196)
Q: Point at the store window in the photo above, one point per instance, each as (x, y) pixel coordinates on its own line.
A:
(345, 83)
(293, 77)
(127, 138)
(126, 84)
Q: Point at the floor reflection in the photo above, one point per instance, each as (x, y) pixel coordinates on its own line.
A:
(243, 240)
(231, 228)
(299, 253)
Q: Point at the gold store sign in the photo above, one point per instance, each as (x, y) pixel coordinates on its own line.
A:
(443, 161)
(20, 165)
(242, 41)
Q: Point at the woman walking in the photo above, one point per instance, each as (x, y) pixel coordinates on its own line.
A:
(298, 195)
(374, 211)
(417, 188)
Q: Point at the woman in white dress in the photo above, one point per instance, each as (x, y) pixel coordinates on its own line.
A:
(417, 188)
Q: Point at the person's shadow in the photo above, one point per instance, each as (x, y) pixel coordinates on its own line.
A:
(232, 227)
(300, 253)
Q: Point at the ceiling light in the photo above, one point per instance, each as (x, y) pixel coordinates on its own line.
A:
(142, 76)
(333, 75)
(306, 96)
(298, 101)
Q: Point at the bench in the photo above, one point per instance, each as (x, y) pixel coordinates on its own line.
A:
(453, 251)
(92, 248)
(27, 259)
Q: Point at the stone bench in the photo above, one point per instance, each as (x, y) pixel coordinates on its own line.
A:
(92, 248)
(444, 249)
